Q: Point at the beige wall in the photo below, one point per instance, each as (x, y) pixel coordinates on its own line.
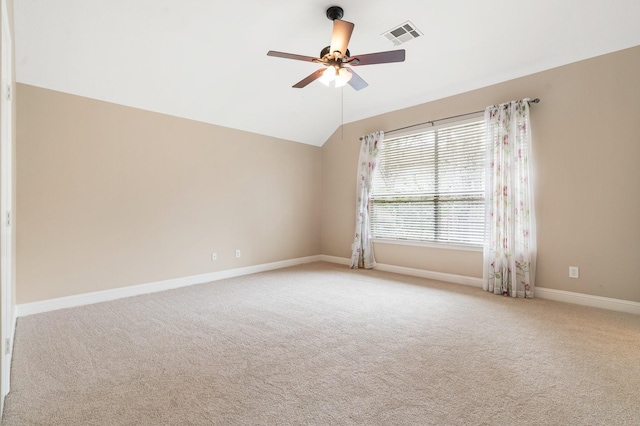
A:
(111, 196)
(587, 178)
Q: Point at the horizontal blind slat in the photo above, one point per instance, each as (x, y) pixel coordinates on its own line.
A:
(430, 186)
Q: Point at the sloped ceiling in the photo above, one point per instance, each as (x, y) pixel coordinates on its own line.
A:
(206, 60)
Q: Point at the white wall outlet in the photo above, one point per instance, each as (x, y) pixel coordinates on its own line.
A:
(238, 253)
(214, 256)
(574, 272)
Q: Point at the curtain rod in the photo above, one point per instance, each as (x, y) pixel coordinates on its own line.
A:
(535, 101)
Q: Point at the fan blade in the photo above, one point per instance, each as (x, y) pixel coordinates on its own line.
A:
(291, 56)
(341, 35)
(310, 78)
(378, 58)
(356, 81)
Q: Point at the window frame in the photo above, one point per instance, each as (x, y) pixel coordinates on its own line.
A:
(430, 126)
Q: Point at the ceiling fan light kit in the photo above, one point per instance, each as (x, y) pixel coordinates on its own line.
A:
(339, 77)
(337, 59)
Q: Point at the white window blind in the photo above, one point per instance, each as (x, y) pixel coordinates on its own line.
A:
(429, 186)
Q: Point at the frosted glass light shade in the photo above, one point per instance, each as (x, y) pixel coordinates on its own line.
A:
(328, 76)
(340, 76)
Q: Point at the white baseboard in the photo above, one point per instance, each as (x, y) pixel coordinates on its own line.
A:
(540, 292)
(422, 273)
(438, 276)
(588, 300)
(118, 293)
(335, 259)
(25, 309)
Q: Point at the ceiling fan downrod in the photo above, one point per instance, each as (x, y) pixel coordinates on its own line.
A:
(335, 12)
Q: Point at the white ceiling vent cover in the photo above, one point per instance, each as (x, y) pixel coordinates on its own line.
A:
(402, 33)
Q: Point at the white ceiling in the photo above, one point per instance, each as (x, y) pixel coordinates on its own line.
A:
(206, 60)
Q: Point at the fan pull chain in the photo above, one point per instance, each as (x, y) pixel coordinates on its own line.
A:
(342, 112)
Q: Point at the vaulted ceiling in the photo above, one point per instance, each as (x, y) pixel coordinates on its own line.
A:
(206, 60)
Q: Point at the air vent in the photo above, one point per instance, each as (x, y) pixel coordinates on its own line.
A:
(402, 33)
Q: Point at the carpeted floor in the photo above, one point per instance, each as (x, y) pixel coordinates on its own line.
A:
(320, 344)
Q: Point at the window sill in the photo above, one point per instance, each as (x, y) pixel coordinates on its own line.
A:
(428, 244)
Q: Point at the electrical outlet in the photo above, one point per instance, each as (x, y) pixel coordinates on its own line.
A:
(214, 256)
(238, 253)
(574, 272)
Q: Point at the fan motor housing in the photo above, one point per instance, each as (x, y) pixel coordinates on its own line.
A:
(327, 50)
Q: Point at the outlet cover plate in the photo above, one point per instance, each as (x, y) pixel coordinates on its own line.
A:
(574, 272)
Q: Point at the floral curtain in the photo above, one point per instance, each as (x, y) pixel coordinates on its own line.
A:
(509, 257)
(362, 247)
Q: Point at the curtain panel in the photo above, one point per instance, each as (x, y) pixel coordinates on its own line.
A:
(362, 248)
(509, 254)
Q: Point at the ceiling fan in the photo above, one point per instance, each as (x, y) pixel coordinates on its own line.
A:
(337, 59)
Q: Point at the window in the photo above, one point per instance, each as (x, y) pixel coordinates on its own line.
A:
(429, 186)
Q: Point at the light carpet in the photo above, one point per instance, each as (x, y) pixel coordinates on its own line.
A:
(320, 344)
